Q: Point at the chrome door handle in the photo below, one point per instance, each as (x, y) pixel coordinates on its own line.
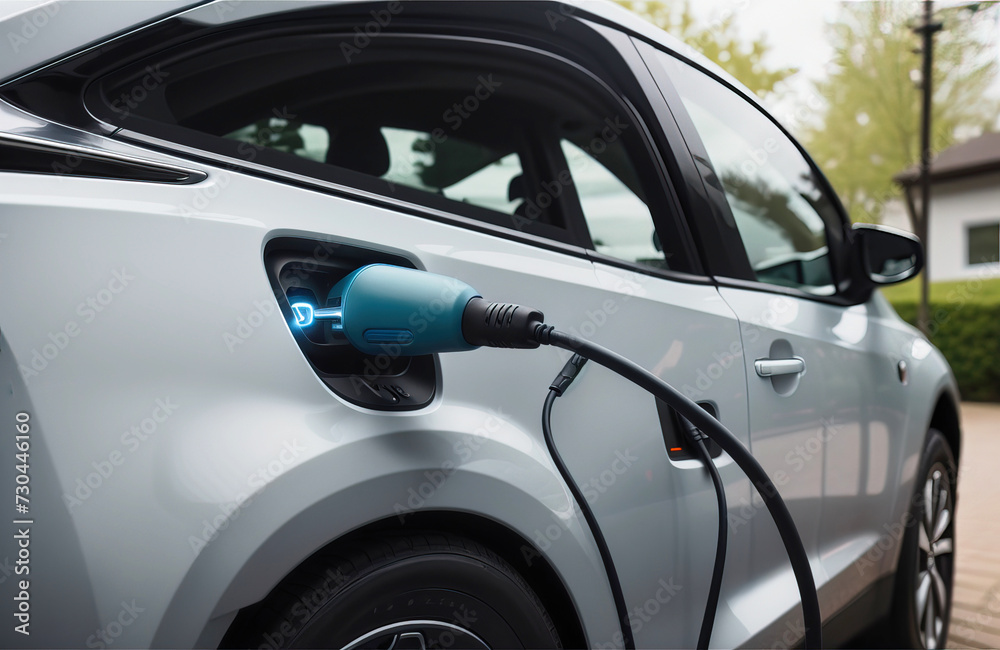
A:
(775, 367)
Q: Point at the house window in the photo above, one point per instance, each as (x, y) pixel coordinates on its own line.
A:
(984, 244)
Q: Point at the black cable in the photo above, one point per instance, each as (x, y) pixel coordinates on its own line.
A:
(547, 335)
(559, 384)
(708, 620)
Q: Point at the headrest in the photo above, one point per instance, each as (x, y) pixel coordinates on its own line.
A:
(517, 190)
(362, 149)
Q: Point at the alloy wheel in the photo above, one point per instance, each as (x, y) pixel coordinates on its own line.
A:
(934, 554)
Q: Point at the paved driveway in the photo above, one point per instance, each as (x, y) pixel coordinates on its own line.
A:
(975, 619)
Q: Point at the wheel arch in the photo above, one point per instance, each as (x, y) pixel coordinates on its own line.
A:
(519, 552)
(256, 553)
(945, 418)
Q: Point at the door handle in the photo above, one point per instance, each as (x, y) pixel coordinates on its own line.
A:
(775, 367)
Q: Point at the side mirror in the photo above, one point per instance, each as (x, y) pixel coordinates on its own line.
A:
(888, 255)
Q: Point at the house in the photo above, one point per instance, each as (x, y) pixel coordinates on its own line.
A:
(964, 234)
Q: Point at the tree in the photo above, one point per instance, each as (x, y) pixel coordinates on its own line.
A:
(871, 126)
(717, 41)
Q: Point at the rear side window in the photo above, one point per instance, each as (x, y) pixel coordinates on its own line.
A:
(473, 128)
(451, 167)
(618, 218)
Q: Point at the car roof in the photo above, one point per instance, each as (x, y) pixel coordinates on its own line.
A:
(43, 31)
(40, 31)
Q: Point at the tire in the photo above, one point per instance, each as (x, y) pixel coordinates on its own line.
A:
(924, 576)
(414, 591)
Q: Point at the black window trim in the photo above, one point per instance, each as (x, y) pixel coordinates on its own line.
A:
(718, 244)
(36, 155)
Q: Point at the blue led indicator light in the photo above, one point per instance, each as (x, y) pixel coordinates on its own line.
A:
(303, 313)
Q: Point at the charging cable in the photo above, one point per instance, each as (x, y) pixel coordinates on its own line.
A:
(556, 389)
(708, 620)
(548, 335)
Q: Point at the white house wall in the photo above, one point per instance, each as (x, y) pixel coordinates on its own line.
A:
(955, 206)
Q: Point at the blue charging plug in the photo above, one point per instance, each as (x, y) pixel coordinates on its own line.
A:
(382, 308)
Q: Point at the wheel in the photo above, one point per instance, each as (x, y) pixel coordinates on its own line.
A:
(922, 602)
(400, 592)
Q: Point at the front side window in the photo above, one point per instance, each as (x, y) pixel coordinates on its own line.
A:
(984, 244)
(782, 213)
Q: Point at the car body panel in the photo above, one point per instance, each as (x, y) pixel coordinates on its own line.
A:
(40, 32)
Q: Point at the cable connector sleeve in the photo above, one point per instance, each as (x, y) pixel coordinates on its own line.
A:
(693, 432)
(567, 374)
(500, 324)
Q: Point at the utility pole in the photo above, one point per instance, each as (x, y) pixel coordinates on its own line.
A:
(927, 31)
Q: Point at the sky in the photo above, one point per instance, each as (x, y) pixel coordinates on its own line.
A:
(796, 30)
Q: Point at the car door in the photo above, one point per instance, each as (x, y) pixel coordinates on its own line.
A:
(659, 521)
(814, 362)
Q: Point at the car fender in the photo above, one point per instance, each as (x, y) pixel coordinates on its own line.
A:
(341, 488)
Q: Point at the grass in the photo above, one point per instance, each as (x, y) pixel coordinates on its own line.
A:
(973, 289)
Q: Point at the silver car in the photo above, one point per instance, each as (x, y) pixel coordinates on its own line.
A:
(193, 461)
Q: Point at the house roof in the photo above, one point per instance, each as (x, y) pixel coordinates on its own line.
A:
(969, 158)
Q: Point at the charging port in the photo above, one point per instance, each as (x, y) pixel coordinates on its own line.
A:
(302, 272)
(679, 434)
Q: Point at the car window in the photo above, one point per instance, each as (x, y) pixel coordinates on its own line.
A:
(459, 170)
(780, 209)
(476, 174)
(619, 220)
(306, 140)
(469, 128)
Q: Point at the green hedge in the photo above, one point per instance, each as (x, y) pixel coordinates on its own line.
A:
(968, 334)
